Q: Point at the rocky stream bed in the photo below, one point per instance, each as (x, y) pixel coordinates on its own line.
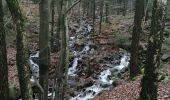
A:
(83, 86)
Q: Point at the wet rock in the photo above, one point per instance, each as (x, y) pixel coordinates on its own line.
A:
(114, 72)
(93, 46)
(72, 83)
(85, 82)
(166, 57)
(117, 82)
(79, 46)
(72, 92)
(107, 58)
(123, 70)
(105, 85)
(101, 61)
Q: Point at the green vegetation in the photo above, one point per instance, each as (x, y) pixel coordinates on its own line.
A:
(120, 40)
(161, 76)
(166, 49)
(14, 92)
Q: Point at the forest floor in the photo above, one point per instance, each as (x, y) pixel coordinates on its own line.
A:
(129, 90)
(125, 89)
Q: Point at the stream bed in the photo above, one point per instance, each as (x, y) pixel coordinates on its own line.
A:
(101, 80)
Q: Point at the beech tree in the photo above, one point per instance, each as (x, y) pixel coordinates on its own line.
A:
(4, 91)
(22, 54)
(61, 83)
(137, 29)
(101, 15)
(150, 78)
(44, 57)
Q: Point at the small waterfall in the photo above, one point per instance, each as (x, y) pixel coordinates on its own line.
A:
(72, 69)
(103, 82)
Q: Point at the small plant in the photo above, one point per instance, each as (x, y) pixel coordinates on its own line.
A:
(120, 39)
(142, 71)
(162, 76)
(132, 78)
(14, 92)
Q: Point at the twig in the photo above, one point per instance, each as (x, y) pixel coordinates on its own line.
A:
(72, 6)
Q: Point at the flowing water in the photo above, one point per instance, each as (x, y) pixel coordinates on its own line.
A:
(103, 80)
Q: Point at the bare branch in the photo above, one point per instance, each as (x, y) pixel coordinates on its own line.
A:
(73, 5)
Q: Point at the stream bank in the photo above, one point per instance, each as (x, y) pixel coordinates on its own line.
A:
(90, 71)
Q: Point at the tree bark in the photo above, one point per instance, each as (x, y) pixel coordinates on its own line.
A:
(125, 7)
(101, 15)
(137, 29)
(52, 27)
(61, 84)
(22, 54)
(150, 78)
(107, 12)
(4, 91)
(44, 58)
(94, 15)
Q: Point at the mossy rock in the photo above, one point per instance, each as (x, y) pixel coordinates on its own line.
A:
(166, 49)
(14, 92)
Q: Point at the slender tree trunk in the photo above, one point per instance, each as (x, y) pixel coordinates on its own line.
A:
(57, 36)
(107, 12)
(44, 58)
(4, 91)
(146, 12)
(125, 7)
(137, 29)
(61, 86)
(94, 15)
(22, 54)
(150, 78)
(101, 15)
(52, 27)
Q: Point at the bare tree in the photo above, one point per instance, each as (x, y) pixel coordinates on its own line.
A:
(22, 54)
(44, 58)
(150, 78)
(4, 92)
(137, 29)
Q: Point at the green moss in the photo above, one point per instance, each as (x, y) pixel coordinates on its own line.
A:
(120, 39)
(142, 71)
(14, 92)
(166, 48)
(162, 76)
(132, 78)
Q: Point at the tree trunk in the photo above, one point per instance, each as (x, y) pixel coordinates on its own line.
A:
(44, 58)
(125, 7)
(94, 15)
(52, 27)
(137, 29)
(146, 12)
(4, 91)
(101, 15)
(22, 54)
(61, 86)
(107, 12)
(150, 78)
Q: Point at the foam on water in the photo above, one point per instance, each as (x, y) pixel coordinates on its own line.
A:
(90, 92)
(124, 62)
(72, 70)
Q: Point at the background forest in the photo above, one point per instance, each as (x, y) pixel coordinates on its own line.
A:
(84, 50)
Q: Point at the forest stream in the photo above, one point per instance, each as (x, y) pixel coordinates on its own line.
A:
(101, 80)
